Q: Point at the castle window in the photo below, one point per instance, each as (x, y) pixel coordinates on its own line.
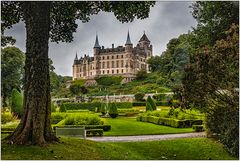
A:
(108, 71)
(112, 71)
(122, 62)
(90, 73)
(112, 64)
(108, 64)
(117, 64)
(107, 57)
(117, 71)
(103, 71)
(103, 65)
(112, 57)
(117, 56)
(121, 56)
(122, 70)
(103, 57)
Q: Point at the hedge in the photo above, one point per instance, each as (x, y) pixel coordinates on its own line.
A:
(104, 127)
(169, 121)
(198, 128)
(82, 106)
(163, 103)
(139, 104)
(123, 105)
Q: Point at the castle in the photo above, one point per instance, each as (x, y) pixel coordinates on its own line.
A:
(121, 61)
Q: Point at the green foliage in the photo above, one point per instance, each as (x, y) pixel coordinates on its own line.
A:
(17, 103)
(160, 97)
(139, 103)
(84, 106)
(75, 89)
(12, 62)
(148, 107)
(80, 119)
(152, 103)
(113, 111)
(123, 104)
(103, 108)
(142, 74)
(53, 107)
(62, 108)
(7, 117)
(198, 128)
(109, 80)
(139, 96)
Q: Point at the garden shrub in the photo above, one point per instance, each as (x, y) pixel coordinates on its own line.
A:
(123, 104)
(128, 110)
(82, 106)
(198, 128)
(62, 108)
(109, 80)
(160, 97)
(17, 102)
(145, 118)
(7, 117)
(139, 104)
(139, 96)
(113, 112)
(148, 107)
(103, 108)
(152, 103)
(139, 118)
(53, 107)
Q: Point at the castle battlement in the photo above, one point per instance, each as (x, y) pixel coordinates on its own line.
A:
(122, 60)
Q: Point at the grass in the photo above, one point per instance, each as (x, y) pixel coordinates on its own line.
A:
(130, 126)
(79, 149)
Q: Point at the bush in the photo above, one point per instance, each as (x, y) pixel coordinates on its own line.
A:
(62, 108)
(113, 112)
(198, 128)
(123, 104)
(104, 127)
(139, 104)
(160, 97)
(139, 96)
(223, 120)
(152, 103)
(109, 80)
(53, 107)
(148, 107)
(141, 74)
(17, 103)
(7, 117)
(82, 106)
(128, 110)
(103, 109)
(80, 119)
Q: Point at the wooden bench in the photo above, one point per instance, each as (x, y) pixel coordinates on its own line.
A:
(68, 131)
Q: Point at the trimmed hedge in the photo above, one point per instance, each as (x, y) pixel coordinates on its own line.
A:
(198, 128)
(123, 105)
(163, 103)
(169, 121)
(82, 106)
(139, 104)
(103, 127)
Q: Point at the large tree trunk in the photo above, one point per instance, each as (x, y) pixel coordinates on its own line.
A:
(35, 127)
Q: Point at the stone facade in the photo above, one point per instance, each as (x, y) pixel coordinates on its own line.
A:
(121, 61)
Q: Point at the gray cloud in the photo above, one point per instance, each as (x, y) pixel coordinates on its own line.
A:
(166, 20)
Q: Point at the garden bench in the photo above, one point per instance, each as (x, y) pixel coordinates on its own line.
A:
(68, 131)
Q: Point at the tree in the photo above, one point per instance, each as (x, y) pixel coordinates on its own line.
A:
(17, 103)
(75, 89)
(211, 83)
(113, 112)
(141, 74)
(45, 20)
(152, 103)
(12, 62)
(139, 96)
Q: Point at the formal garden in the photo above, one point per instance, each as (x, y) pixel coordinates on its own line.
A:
(186, 107)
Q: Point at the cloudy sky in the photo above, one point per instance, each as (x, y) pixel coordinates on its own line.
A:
(167, 20)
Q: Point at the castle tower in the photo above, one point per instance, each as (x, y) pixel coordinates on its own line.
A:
(128, 43)
(75, 62)
(144, 41)
(97, 47)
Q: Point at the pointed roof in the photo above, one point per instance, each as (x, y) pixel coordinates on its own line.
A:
(128, 42)
(96, 43)
(144, 38)
(76, 57)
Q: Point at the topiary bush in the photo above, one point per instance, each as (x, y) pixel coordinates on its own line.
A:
(152, 103)
(103, 109)
(17, 103)
(139, 96)
(148, 107)
(62, 108)
(113, 112)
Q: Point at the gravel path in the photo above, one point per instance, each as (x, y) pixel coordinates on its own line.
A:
(145, 137)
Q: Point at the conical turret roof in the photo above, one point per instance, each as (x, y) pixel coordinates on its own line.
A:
(128, 42)
(144, 38)
(97, 43)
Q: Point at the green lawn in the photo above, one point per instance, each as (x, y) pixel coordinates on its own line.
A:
(130, 126)
(79, 149)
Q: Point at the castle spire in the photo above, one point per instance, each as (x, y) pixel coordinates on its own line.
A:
(76, 57)
(96, 43)
(128, 42)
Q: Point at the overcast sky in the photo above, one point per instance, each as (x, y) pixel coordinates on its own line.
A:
(166, 20)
